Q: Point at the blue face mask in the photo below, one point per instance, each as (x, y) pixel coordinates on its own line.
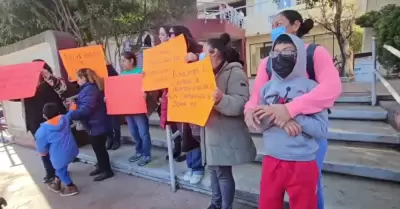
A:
(202, 56)
(277, 31)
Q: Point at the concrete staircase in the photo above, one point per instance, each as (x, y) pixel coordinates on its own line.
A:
(361, 144)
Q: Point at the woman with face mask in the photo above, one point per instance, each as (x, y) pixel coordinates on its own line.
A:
(225, 140)
(321, 97)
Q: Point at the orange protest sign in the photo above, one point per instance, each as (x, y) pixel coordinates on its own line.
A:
(190, 93)
(84, 57)
(124, 95)
(19, 81)
(159, 62)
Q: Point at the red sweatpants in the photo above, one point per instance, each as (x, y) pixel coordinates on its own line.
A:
(298, 179)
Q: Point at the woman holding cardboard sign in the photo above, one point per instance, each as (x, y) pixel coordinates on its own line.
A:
(225, 140)
(138, 124)
(163, 35)
(91, 111)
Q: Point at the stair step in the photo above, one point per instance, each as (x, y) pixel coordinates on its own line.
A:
(348, 130)
(344, 158)
(341, 192)
(358, 112)
(349, 98)
(346, 111)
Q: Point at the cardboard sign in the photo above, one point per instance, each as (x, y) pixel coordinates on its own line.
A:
(190, 93)
(124, 95)
(160, 61)
(19, 81)
(85, 57)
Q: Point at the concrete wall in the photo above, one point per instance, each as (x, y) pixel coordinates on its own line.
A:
(42, 46)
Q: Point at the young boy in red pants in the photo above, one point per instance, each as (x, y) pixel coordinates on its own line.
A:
(289, 165)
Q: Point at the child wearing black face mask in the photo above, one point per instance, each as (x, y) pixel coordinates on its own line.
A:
(289, 164)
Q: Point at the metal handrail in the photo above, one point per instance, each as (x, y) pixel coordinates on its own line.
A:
(378, 75)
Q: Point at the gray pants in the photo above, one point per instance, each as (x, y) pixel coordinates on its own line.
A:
(222, 186)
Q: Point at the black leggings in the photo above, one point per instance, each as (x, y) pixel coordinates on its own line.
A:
(99, 147)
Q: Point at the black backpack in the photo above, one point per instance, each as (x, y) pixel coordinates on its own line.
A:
(310, 63)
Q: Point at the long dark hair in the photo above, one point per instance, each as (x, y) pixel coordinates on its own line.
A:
(130, 56)
(293, 16)
(45, 66)
(228, 53)
(192, 45)
(166, 29)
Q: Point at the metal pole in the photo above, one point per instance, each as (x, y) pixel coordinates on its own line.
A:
(373, 89)
(171, 159)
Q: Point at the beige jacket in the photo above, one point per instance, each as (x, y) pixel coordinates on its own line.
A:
(226, 140)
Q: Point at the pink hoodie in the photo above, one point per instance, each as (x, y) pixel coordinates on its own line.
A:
(321, 97)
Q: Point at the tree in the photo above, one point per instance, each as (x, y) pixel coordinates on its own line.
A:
(88, 20)
(386, 25)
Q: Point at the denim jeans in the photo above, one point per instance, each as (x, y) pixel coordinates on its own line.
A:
(115, 131)
(193, 161)
(63, 175)
(222, 186)
(323, 148)
(139, 127)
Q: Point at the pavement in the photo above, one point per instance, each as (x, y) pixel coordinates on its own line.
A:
(21, 173)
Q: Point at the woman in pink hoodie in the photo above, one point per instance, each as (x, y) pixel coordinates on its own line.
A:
(322, 97)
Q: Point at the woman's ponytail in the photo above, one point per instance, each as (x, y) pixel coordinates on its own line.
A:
(305, 27)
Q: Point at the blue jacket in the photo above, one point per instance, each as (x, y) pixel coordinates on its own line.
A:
(91, 109)
(57, 139)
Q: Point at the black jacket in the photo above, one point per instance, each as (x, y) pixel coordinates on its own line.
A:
(34, 106)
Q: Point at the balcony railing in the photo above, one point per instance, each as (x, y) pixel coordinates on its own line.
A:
(229, 14)
(377, 74)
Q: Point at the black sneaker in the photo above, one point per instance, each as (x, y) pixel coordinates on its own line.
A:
(104, 175)
(48, 178)
(96, 172)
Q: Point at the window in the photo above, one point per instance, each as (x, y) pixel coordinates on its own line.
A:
(257, 53)
(282, 4)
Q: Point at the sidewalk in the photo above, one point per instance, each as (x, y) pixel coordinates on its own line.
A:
(20, 183)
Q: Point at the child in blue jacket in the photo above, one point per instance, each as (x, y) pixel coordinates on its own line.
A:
(55, 137)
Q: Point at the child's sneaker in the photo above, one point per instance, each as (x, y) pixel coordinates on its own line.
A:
(188, 176)
(135, 158)
(144, 161)
(69, 191)
(195, 179)
(55, 186)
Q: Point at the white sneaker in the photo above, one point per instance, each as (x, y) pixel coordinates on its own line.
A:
(195, 179)
(187, 176)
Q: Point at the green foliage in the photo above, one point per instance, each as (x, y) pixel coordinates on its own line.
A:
(386, 25)
(356, 39)
(87, 20)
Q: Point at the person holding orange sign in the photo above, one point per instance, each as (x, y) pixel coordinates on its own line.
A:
(226, 140)
(190, 133)
(138, 124)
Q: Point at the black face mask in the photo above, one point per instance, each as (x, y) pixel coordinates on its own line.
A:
(283, 65)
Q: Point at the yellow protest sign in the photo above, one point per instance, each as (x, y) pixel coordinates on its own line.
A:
(160, 61)
(190, 95)
(84, 57)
